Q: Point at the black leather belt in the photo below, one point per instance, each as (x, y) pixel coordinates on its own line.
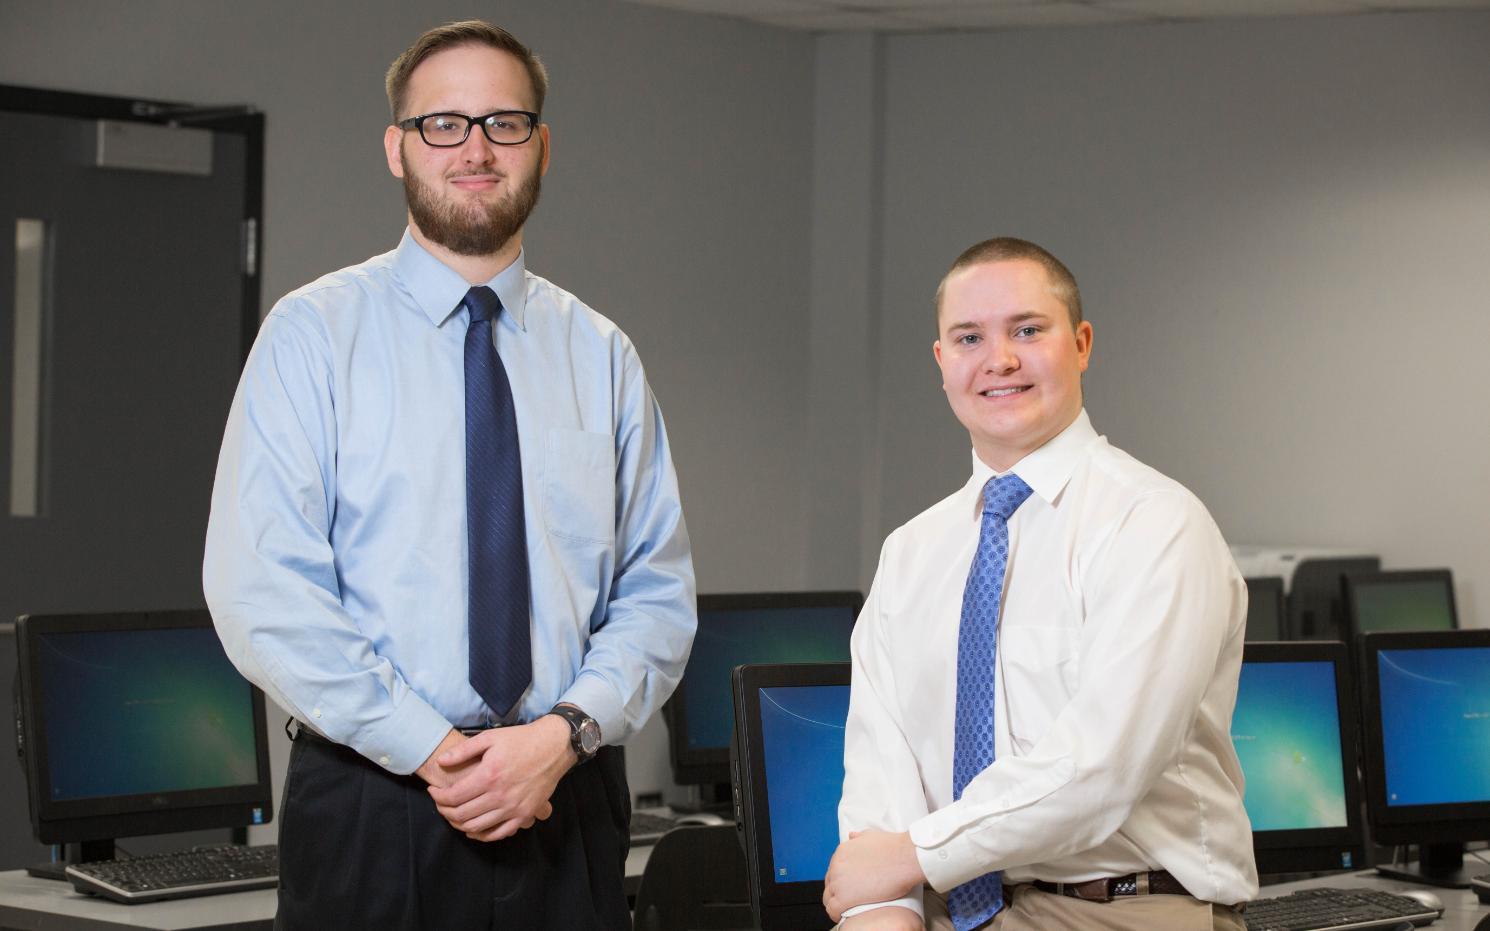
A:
(1156, 882)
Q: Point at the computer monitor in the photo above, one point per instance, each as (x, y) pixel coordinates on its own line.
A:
(788, 778)
(773, 627)
(1418, 599)
(1294, 733)
(1265, 608)
(1316, 607)
(135, 724)
(1426, 726)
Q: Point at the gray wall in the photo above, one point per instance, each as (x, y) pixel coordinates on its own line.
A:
(1282, 232)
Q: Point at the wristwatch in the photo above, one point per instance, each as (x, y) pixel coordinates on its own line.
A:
(584, 732)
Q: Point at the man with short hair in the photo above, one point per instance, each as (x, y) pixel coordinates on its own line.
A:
(1045, 670)
(446, 536)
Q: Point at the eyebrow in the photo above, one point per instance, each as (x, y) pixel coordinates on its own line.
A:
(1021, 317)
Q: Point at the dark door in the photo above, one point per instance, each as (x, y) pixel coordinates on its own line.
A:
(122, 309)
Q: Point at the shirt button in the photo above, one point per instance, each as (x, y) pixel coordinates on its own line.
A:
(315, 712)
(383, 760)
(941, 854)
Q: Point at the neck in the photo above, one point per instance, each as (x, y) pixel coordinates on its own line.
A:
(475, 269)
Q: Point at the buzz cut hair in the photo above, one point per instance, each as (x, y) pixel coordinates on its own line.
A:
(1008, 248)
(451, 35)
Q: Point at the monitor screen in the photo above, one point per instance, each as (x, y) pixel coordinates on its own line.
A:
(788, 778)
(733, 630)
(1427, 743)
(1265, 608)
(1386, 601)
(137, 724)
(1293, 732)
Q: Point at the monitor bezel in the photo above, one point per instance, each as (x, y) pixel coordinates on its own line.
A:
(1351, 580)
(1317, 849)
(777, 906)
(102, 818)
(711, 765)
(1411, 824)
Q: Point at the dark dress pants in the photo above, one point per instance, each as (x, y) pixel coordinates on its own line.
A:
(363, 848)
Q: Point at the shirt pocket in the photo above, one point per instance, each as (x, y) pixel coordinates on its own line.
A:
(1040, 669)
(579, 485)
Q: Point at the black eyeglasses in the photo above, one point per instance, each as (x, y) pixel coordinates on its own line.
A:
(504, 127)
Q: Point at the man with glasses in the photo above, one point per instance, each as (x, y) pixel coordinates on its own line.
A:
(446, 536)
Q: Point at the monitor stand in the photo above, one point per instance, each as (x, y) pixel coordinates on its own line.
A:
(86, 852)
(1438, 865)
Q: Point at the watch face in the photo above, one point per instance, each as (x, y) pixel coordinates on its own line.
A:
(589, 737)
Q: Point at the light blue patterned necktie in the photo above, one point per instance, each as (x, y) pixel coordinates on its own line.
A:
(978, 900)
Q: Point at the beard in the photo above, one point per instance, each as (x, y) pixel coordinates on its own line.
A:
(474, 229)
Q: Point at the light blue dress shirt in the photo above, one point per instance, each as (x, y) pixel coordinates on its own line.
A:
(335, 563)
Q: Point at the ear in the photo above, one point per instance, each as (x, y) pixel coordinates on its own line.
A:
(1084, 344)
(393, 139)
(543, 142)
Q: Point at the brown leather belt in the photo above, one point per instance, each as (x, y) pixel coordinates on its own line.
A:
(1157, 882)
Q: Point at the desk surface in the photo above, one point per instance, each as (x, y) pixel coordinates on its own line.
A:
(30, 903)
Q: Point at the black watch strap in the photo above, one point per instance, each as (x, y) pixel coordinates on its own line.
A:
(584, 731)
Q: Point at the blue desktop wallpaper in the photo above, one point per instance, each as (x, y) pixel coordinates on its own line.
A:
(1286, 730)
(727, 639)
(1435, 721)
(1401, 605)
(140, 711)
(802, 733)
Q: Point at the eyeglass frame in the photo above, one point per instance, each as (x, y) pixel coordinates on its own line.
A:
(417, 122)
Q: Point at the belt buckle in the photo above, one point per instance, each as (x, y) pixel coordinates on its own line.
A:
(1093, 890)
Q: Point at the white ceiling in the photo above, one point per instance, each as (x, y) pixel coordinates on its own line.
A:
(939, 15)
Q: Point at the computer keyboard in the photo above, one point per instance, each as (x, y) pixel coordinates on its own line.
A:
(1336, 910)
(648, 827)
(199, 871)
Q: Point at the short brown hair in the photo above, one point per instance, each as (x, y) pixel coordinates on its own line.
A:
(450, 35)
(1007, 248)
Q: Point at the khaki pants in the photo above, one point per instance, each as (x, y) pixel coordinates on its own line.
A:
(1028, 909)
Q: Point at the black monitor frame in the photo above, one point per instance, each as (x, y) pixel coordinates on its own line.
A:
(96, 821)
(793, 906)
(1439, 831)
(1265, 594)
(1352, 580)
(1317, 849)
(1316, 609)
(710, 766)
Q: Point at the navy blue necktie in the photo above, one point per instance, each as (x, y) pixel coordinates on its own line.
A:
(501, 660)
(979, 899)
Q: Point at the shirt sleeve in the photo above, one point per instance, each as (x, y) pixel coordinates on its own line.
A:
(269, 573)
(636, 654)
(1157, 590)
(881, 782)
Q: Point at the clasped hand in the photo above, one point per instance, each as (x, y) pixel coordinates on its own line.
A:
(871, 866)
(498, 782)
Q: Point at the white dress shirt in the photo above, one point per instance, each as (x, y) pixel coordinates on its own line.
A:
(1119, 647)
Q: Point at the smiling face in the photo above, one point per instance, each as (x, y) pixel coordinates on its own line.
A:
(1011, 362)
(471, 199)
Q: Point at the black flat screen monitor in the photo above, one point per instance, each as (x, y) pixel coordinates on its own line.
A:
(1426, 727)
(776, 627)
(135, 724)
(788, 779)
(1294, 733)
(1265, 608)
(1316, 607)
(1418, 599)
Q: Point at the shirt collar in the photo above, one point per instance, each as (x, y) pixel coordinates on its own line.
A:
(1046, 470)
(439, 290)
